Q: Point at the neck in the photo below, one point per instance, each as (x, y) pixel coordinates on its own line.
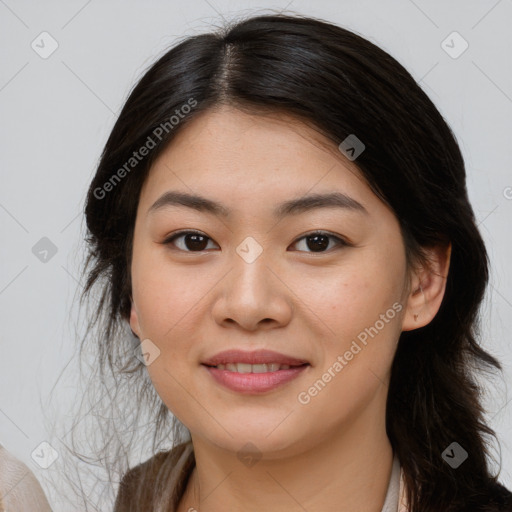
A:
(349, 469)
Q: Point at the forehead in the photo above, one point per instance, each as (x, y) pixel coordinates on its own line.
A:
(226, 151)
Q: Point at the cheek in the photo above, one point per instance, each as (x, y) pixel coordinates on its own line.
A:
(166, 297)
(353, 296)
(360, 307)
(168, 304)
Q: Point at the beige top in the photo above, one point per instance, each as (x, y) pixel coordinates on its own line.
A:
(20, 491)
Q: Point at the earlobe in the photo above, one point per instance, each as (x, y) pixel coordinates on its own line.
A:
(428, 288)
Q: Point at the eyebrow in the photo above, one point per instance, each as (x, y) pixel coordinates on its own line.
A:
(291, 207)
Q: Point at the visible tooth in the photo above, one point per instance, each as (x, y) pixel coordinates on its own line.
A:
(243, 368)
(253, 368)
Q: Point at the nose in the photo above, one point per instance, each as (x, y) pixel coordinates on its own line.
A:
(252, 296)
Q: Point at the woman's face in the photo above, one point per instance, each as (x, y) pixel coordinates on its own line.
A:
(254, 280)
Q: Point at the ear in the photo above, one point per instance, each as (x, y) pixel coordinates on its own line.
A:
(427, 287)
(134, 320)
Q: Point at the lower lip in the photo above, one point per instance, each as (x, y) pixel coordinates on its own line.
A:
(254, 383)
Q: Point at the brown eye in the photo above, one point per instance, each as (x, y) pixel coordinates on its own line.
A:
(320, 241)
(189, 241)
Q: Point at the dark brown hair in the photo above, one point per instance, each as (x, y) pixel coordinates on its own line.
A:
(339, 83)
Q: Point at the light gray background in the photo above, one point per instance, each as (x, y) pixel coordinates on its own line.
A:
(56, 114)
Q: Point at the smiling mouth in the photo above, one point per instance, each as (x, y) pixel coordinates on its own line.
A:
(254, 379)
(255, 368)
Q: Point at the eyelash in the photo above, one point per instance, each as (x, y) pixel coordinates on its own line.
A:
(340, 241)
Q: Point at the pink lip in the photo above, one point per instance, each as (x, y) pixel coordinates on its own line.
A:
(254, 383)
(255, 357)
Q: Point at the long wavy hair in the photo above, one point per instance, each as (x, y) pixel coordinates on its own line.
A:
(338, 83)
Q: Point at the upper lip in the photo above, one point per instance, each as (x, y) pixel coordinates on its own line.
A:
(255, 357)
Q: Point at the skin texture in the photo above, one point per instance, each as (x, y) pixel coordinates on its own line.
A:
(331, 453)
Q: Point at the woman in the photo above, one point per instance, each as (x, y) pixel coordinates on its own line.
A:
(280, 215)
